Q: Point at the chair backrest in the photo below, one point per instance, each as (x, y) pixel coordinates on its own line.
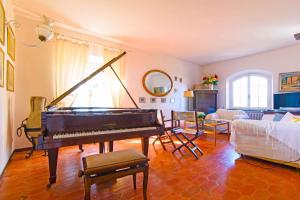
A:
(37, 106)
(186, 116)
(165, 122)
(189, 116)
(161, 118)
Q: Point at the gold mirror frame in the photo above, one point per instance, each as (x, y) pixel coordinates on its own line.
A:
(150, 92)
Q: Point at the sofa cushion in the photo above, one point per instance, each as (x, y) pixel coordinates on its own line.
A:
(268, 117)
(240, 117)
(230, 114)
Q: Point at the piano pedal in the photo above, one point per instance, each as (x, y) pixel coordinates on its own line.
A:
(45, 153)
(29, 154)
(80, 148)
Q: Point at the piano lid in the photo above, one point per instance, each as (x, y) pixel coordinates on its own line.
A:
(72, 89)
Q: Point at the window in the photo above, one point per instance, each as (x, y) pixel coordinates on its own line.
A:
(75, 60)
(98, 91)
(250, 91)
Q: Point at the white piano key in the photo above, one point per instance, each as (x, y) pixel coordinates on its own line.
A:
(93, 133)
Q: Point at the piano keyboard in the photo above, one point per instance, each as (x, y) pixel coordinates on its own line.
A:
(93, 133)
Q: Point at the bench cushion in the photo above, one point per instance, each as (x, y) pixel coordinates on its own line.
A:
(99, 163)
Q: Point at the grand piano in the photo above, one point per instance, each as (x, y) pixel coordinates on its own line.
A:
(68, 126)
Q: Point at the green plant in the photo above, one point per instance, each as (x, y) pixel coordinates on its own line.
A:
(200, 115)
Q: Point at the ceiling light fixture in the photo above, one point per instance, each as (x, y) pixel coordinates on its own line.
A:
(45, 30)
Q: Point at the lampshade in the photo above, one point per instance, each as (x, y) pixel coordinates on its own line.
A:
(188, 93)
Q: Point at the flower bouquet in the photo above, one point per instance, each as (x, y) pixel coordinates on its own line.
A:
(211, 80)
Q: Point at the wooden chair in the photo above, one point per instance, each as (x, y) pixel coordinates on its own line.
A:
(167, 136)
(181, 132)
(32, 125)
(112, 165)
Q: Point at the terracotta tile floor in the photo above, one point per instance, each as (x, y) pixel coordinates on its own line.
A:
(219, 174)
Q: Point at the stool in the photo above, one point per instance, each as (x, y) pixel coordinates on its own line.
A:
(104, 167)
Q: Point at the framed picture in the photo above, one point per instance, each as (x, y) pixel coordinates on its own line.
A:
(2, 24)
(11, 43)
(142, 100)
(10, 79)
(172, 100)
(159, 90)
(1, 68)
(152, 100)
(289, 82)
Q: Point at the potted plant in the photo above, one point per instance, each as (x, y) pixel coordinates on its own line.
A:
(200, 115)
(211, 80)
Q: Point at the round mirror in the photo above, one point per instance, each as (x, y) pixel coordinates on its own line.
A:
(157, 83)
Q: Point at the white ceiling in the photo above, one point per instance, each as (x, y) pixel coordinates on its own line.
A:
(200, 31)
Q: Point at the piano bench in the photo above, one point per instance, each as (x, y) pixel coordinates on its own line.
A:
(112, 165)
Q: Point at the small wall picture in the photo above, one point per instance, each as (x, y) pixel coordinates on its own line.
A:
(1, 68)
(163, 100)
(172, 100)
(289, 82)
(180, 80)
(11, 43)
(2, 24)
(152, 100)
(175, 78)
(10, 79)
(159, 90)
(142, 100)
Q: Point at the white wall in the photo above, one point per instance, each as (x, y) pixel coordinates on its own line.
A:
(7, 126)
(276, 61)
(35, 74)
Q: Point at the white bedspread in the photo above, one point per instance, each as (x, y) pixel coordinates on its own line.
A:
(286, 132)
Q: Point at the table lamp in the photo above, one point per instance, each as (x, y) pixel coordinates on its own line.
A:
(188, 94)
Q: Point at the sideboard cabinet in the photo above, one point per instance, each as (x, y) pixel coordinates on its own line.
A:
(204, 101)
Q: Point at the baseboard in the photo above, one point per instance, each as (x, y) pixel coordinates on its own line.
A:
(14, 151)
(22, 149)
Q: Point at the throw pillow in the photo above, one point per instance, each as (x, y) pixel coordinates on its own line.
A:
(296, 119)
(287, 117)
(278, 117)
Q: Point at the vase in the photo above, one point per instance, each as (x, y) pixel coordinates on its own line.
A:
(211, 86)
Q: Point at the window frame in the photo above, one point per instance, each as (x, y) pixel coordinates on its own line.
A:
(248, 74)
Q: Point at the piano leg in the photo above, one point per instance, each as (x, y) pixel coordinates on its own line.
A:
(101, 147)
(145, 145)
(52, 161)
(111, 146)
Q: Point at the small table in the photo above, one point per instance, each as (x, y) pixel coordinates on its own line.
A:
(214, 124)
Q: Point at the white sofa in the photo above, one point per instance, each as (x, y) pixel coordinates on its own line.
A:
(277, 141)
(227, 115)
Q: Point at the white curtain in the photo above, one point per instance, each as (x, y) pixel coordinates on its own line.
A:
(114, 84)
(71, 58)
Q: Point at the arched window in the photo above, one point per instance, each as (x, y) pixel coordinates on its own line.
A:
(250, 91)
